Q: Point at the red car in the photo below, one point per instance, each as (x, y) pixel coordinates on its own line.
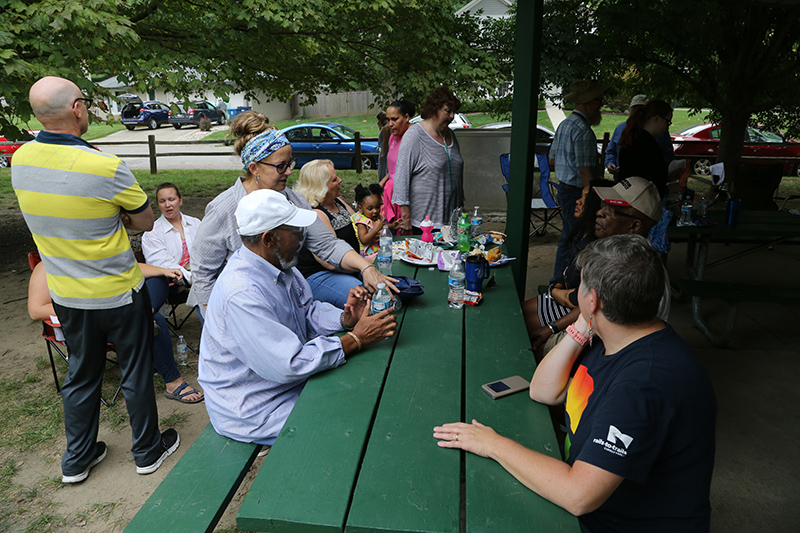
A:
(7, 149)
(758, 142)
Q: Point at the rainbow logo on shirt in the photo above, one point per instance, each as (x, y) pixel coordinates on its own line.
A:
(581, 387)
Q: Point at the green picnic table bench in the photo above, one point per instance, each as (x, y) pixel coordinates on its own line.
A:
(358, 452)
(199, 487)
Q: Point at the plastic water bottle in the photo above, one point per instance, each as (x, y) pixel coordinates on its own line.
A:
(180, 351)
(463, 233)
(381, 300)
(477, 223)
(385, 236)
(686, 213)
(457, 280)
(706, 200)
(385, 258)
(427, 229)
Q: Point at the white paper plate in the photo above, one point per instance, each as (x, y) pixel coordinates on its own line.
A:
(421, 262)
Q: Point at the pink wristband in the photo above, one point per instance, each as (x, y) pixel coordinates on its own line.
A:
(572, 332)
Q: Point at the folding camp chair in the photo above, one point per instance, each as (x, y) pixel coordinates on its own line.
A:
(54, 338)
(544, 209)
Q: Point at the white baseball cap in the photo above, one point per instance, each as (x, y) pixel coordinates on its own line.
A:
(264, 210)
(634, 192)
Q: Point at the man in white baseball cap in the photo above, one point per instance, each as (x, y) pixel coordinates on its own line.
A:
(264, 335)
(632, 206)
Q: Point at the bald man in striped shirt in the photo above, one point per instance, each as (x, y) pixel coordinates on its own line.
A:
(78, 202)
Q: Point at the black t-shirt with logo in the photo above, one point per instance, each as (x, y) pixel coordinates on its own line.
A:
(646, 413)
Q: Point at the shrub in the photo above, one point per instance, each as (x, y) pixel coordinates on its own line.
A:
(205, 124)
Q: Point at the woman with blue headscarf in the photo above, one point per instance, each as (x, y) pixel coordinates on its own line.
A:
(267, 163)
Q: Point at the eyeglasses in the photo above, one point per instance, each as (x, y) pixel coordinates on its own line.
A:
(607, 209)
(668, 121)
(86, 101)
(282, 167)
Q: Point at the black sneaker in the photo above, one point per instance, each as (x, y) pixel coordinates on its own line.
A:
(101, 454)
(170, 442)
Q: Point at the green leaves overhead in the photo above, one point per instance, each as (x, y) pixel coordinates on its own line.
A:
(277, 48)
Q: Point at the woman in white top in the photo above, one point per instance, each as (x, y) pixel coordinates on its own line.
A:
(169, 243)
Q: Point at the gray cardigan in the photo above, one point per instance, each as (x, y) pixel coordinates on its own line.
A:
(427, 176)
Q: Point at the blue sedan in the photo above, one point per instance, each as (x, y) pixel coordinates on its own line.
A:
(320, 137)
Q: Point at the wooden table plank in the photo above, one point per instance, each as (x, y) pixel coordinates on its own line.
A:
(306, 481)
(496, 347)
(407, 483)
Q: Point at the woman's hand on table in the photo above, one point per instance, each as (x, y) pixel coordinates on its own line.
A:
(372, 277)
(475, 437)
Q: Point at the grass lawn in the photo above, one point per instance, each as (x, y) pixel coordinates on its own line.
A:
(96, 129)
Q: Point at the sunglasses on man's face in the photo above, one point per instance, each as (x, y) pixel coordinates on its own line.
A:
(607, 209)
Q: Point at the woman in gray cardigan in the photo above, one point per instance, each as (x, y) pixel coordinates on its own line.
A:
(428, 179)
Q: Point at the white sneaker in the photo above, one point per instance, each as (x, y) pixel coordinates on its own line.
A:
(170, 441)
(102, 450)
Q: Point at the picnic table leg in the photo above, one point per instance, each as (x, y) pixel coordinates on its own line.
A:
(717, 340)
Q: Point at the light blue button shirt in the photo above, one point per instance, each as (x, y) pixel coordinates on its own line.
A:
(264, 336)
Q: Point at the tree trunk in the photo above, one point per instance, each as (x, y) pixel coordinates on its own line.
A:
(734, 126)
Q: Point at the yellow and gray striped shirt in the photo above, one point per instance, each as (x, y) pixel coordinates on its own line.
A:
(71, 196)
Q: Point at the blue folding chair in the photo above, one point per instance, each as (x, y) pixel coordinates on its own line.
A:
(544, 209)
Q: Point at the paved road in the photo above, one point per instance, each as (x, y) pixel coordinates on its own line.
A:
(166, 133)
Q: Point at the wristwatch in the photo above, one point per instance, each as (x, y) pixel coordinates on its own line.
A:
(553, 327)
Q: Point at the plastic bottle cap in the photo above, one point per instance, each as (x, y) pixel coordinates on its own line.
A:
(381, 286)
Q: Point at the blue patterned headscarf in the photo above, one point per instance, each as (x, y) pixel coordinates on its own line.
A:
(262, 146)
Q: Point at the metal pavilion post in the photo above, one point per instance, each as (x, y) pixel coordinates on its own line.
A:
(523, 134)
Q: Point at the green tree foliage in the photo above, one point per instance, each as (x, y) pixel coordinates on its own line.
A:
(393, 47)
(738, 57)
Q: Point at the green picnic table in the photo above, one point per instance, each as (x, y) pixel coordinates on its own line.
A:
(758, 231)
(358, 453)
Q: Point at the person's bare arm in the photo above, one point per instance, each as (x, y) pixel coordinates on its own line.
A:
(40, 304)
(579, 489)
(551, 378)
(152, 271)
(586, 176)
(354, 262)
(366, 235)
(405, 221)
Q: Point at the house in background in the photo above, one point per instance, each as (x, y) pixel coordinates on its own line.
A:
(490, 8)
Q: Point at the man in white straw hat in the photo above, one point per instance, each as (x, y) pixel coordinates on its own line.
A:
(264, 335)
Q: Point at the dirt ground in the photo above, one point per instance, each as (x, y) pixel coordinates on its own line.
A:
(113, 493)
